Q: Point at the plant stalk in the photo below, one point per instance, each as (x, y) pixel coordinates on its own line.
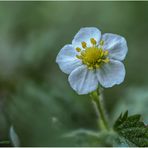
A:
(96, 98)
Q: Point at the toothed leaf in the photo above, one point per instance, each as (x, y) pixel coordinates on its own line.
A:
(132, 129)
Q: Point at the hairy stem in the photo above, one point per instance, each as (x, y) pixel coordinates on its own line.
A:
(96, 98)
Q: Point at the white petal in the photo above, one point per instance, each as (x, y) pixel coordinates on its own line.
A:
(111, 73)
(67, 60)
(82, 80)
(116, 45)
(85, 34)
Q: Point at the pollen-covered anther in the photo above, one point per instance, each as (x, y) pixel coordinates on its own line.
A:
(106, 60)
(97, 65)
(84, 45)
(93, 41)
(78, 49)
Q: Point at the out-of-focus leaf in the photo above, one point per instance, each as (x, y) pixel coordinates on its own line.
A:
(4, 142)
(38, 111)
(83, 137)
(135, 100)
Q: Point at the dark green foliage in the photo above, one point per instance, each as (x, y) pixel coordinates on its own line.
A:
(5, 143)
(132, 129)
(46, 115)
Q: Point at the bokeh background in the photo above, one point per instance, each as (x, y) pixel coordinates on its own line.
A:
(35, 96)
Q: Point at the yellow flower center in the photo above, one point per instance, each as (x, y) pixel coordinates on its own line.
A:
(93, 56)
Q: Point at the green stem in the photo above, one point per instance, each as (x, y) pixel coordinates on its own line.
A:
(100, 109)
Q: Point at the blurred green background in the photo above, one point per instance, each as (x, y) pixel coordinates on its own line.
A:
(35, 96)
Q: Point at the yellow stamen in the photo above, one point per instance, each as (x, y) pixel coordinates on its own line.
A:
(101, 53)
(83, 53)
(97, 65)
(99, 60)
(84, 44)
(93, 57)
(79, 56)
(101, 42)
(106, 52)
(106, 60)
(91, 67)
(93, 41)
(78, 49)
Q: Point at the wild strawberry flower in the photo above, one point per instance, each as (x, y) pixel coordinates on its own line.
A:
(93, 59)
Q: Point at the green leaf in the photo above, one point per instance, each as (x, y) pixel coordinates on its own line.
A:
(132, 129)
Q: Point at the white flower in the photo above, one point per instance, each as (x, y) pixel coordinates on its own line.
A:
(93, 59)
